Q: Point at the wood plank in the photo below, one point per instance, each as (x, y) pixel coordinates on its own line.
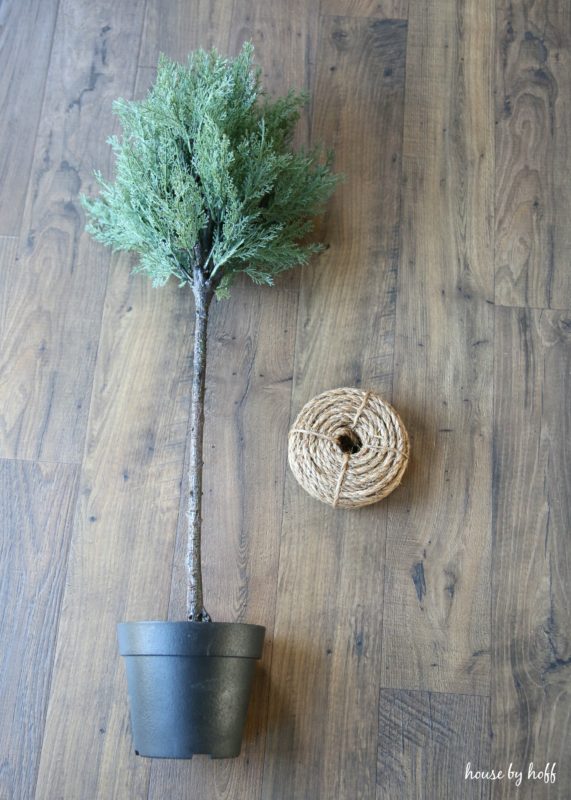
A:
(251, 346)
(8, 262)
(322, 727)
(437, 601)
(177, 27)
(379, 9)
(531, 657)
(55, 297)
(121, 558)
(285, 40)
(533, 161)
(36, 508)
(426, 740)
(26, 33)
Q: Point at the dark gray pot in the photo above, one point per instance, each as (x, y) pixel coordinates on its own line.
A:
(189, 685)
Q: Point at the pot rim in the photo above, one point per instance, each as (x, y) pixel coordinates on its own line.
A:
(185, 638)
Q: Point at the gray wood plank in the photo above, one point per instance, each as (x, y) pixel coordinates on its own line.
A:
(8, 262)
(36, 509)
(26, 34)
(124, 531)
(322, 727)
(429, 742)
(55, 296)
(533, 154)
(436, 623)
(378, 9)
(531, 656)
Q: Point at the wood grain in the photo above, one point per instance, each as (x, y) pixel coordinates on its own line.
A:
(533, 154)
(26, 33)
(177, 27)
(322, 728)
(8, 262)
(36, 508)
(55, 296)
(285, 40)
(379, 9)
(121, 556)
(426, 739)
(436, 632)
(531, 657)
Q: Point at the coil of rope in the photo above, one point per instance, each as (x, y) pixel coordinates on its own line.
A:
(348, 448)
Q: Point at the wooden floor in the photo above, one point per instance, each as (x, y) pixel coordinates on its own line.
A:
(406, 640)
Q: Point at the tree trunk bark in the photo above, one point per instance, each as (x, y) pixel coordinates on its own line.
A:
(195, 605)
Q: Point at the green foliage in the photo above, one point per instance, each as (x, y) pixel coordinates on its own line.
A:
(206, 178)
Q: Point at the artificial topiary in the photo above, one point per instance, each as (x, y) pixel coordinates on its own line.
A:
(207, 186)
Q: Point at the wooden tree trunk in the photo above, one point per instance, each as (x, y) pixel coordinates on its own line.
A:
(203, 293)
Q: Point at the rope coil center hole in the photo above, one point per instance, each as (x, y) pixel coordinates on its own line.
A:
(349, 442)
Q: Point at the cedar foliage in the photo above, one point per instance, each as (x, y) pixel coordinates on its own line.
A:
(207, 186)
(206, 178)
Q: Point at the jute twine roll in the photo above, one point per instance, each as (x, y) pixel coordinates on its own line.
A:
(348, 448)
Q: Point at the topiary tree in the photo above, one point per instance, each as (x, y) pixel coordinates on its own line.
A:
(206, 187)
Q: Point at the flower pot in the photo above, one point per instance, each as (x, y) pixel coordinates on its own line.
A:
(189, 685)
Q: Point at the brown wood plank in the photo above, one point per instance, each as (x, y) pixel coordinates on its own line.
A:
(426, 740)
(26, 33)
(379, 9)
(285, 40)
(36, 509)
(176, 27)
(533, 154)
(121, 555)
(437, 600)
(55, 296)
(531, 657)
(322, 727)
